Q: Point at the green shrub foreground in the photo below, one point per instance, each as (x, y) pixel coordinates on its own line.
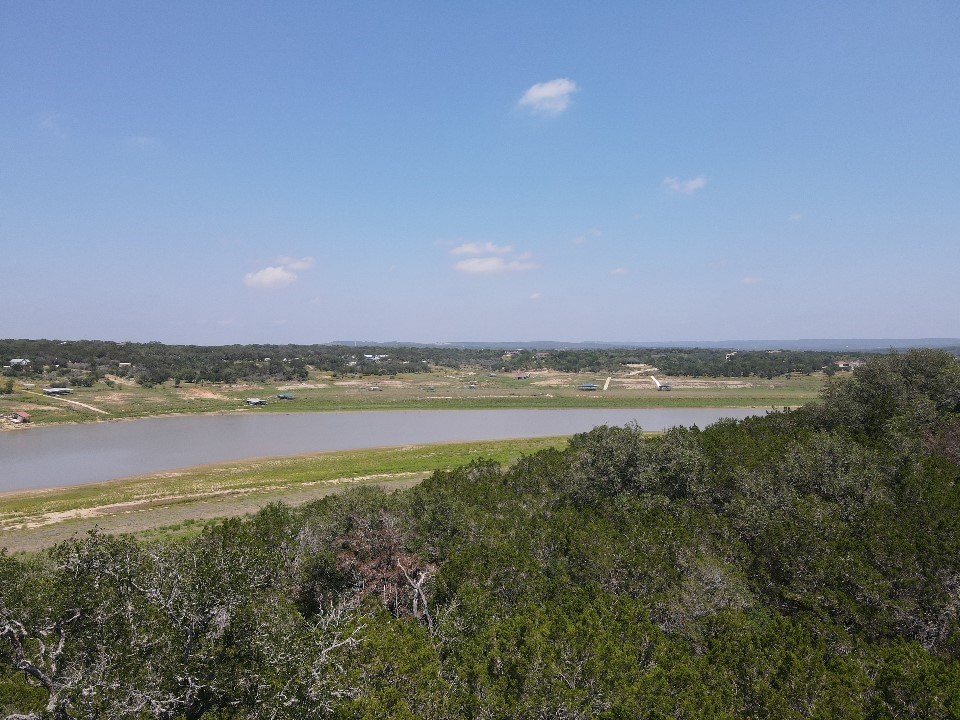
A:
(798, 565)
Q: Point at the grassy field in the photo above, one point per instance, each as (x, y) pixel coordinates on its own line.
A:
(178, 502)
(442, 390)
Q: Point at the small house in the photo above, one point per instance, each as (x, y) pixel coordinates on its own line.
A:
(56, 391)
(588, 387)
(255, 402)
(19, 416)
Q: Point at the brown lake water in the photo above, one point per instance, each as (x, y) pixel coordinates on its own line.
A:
(45, 457)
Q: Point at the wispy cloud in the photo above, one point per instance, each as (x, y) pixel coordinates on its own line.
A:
(52, 123)
(487, 248)
(493, 265)
(685, 187)
(795, 217)
(619, 271)
(535, 297)
(591, 234)
(282, 274)
(549, 98)
(142, 142)
(294, 264)
(748, 280)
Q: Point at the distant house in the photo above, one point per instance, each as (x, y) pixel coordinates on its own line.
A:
(19, 416)
(255, 402)
(375, 388)
(588, 386)
(124, 365)
(57, 391)
(284, 396)
(847, 366)
(19, 362)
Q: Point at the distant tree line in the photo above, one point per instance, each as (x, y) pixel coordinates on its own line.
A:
(803, 564)
(86, 361)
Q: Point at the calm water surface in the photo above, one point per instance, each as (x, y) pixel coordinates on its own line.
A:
(79, 454)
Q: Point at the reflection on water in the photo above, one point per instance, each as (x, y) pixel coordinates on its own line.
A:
(78, 454)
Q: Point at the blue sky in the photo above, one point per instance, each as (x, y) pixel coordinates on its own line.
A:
(431, 171)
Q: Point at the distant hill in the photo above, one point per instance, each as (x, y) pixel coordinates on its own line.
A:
(826, 344)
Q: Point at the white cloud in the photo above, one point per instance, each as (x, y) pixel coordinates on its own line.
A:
(486, 248)
(270, 277)
(535, 297)
(283, 273)
(749, 280)
(619, 271)
(685, 187)
(549, 98)
(492, 265)
(294, 264)
(490, 258)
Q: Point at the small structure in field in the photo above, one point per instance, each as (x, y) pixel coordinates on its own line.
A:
(19, 416)
(588, 387)
(375, 388)
(255, 402)
(57, 391)
(19, 362)
(284, 396)
(660, 385)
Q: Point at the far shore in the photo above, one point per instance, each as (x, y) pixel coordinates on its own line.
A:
(433, 391)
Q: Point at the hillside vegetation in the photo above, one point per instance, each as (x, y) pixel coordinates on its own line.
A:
(803, 564)
(84, 362)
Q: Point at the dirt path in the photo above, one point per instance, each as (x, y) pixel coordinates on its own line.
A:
(49, 529)
(72, 402)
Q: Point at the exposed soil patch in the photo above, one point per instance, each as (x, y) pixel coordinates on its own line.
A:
(197, 394)
(553, 382)
(40, 531)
